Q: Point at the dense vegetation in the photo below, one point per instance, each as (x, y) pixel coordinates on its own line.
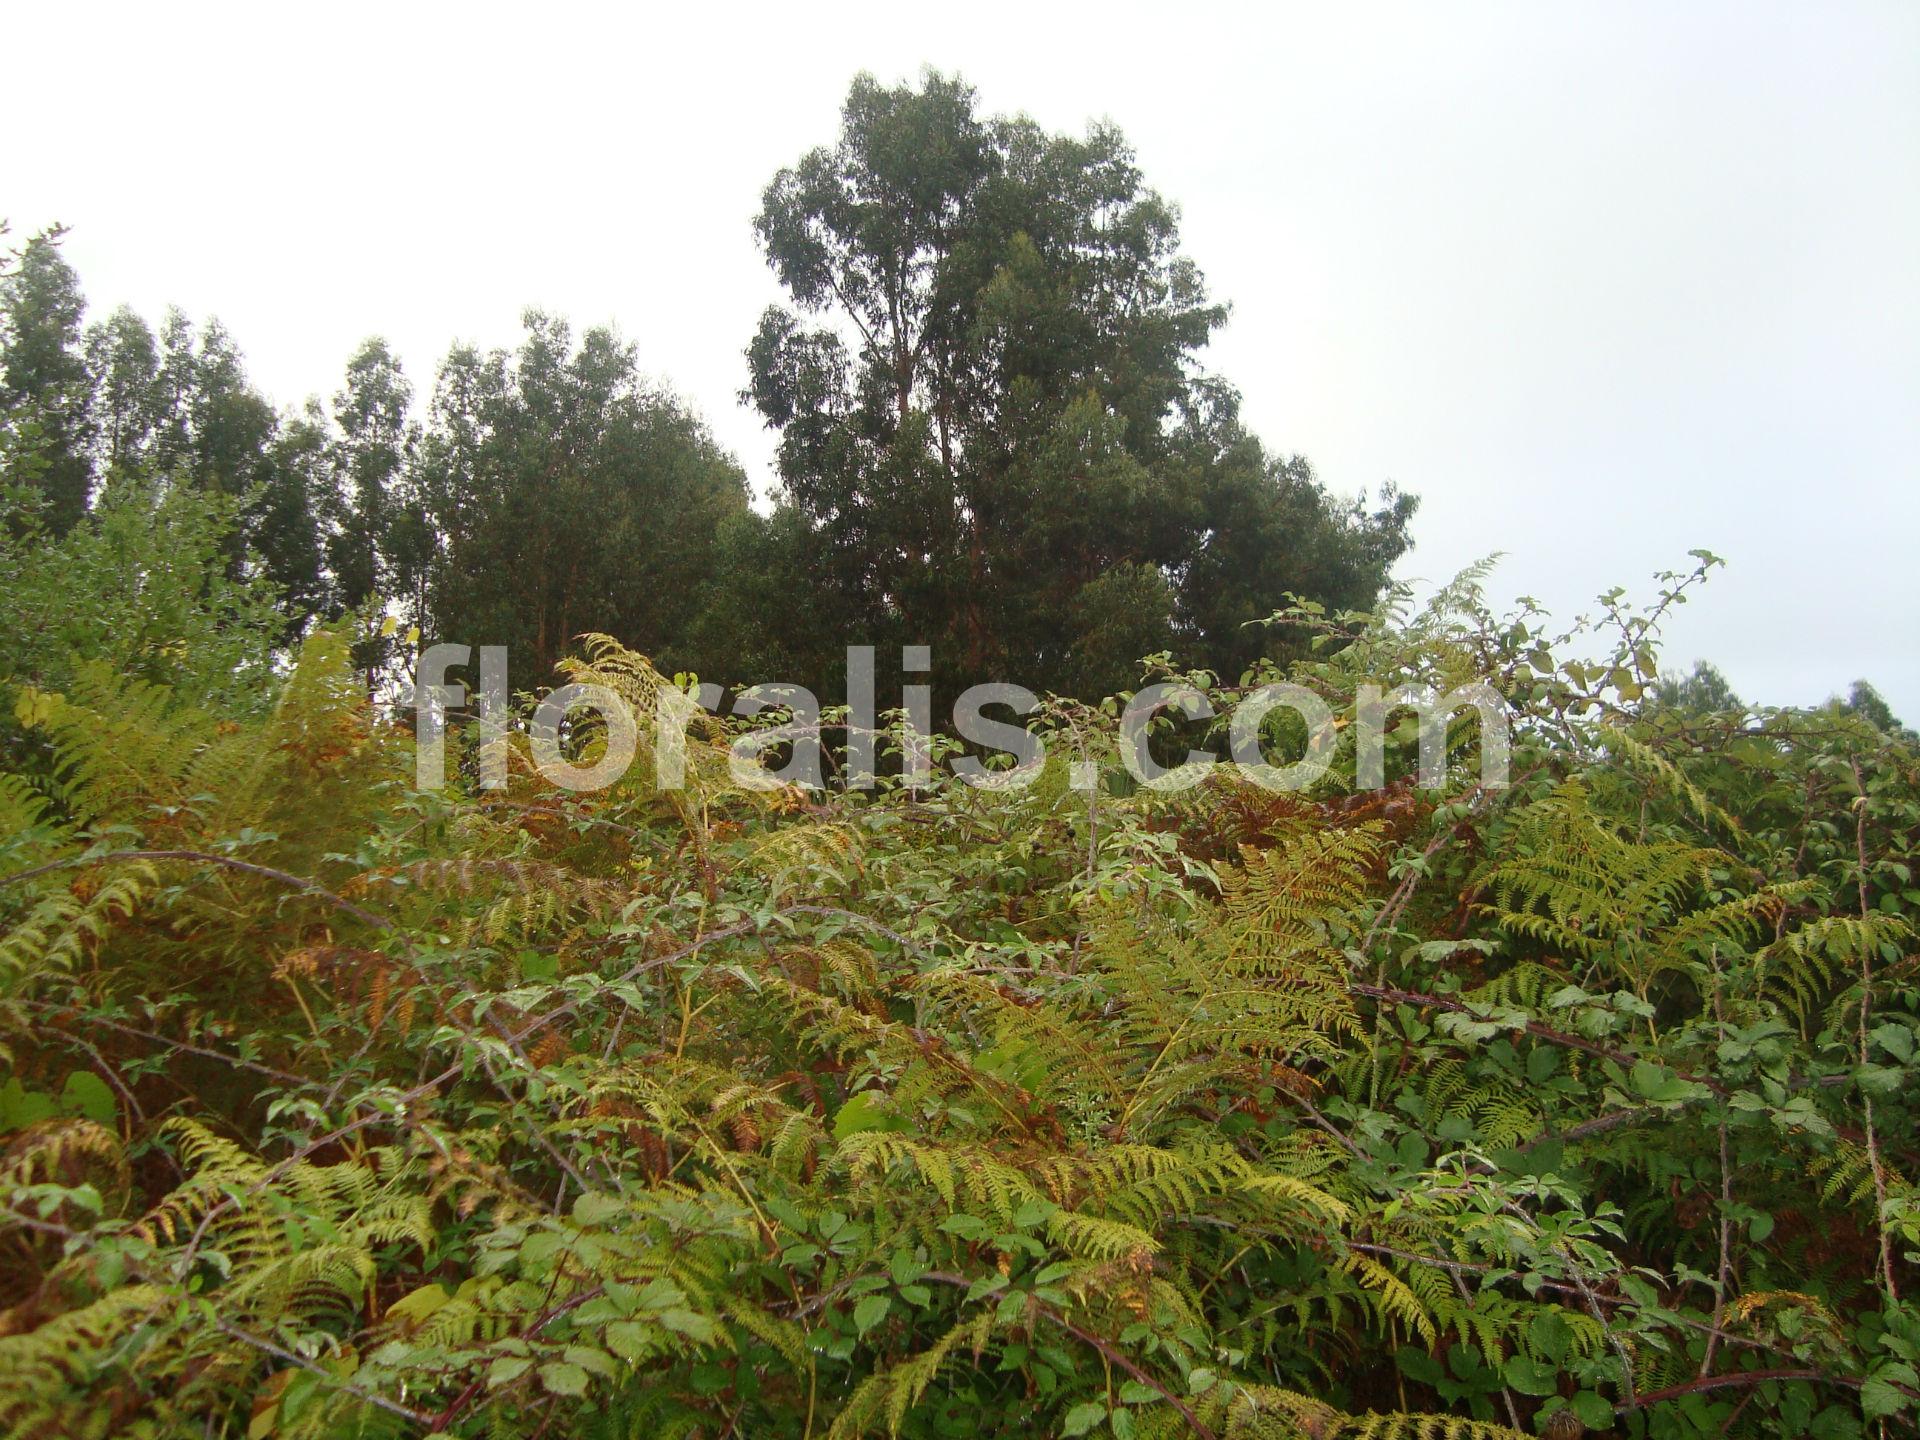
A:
(338, 1107)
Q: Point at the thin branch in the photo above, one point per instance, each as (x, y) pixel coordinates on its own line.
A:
(1866, 1006)
(1750, 1377)
(202, 857)
(280, 1352)
(1106, 1348)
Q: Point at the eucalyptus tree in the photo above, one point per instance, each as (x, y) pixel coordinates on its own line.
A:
(564, 494)
(46, 391)
(123, 361)
(992, 416)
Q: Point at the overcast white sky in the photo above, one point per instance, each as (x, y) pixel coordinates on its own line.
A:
(1600, 283)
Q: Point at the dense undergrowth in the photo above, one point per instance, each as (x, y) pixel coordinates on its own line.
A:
(339, 1108)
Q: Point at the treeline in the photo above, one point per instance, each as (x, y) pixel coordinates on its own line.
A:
(538, 493)
(996, 440)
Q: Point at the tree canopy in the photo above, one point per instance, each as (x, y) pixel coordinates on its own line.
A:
(992, 418)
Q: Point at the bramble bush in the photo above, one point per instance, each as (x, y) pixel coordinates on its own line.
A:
(1582, 1105)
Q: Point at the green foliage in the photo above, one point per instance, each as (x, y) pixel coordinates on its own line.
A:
(993, 427)
(139, 587)
(45, 389)
(1449, 1109)
(568, 494)
(341, 1109)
